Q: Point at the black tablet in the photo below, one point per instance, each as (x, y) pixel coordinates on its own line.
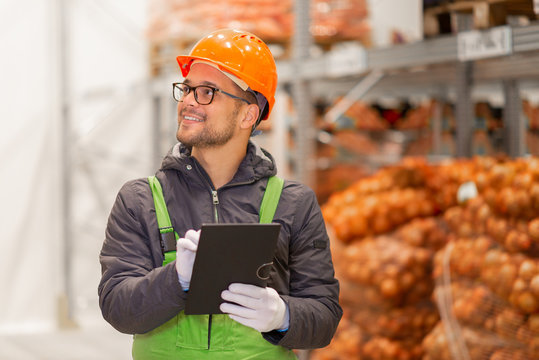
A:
(229, 253)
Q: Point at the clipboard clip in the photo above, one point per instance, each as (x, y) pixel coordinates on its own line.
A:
(258, 273)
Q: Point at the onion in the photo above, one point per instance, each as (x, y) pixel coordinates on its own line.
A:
(407, 280)
(527, 270)
(499, 229)
(490, 197)
(520, 285)
(389, 288)
(523, 180)
(534, 195)
(534, 286)
(533, 229)
(501, 175)
(483, 213)
(523, 203)
(517, 241)
(527, 302)
(481, 180)
(533, 323)
(512, 242)
(380, 223)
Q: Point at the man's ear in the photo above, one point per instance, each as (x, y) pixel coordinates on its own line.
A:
(250, 117)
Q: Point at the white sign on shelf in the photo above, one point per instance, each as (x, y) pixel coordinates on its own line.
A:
(347, 61)
(473, 45)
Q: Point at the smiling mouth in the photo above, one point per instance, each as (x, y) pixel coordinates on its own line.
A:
(190, 118)
(195, 117)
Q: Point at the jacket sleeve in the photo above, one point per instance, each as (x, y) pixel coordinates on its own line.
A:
(136, 294)
(313, 300)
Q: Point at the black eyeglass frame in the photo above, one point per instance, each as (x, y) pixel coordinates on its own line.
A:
(193, 89)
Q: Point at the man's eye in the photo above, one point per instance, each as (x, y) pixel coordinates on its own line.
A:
(206, 91)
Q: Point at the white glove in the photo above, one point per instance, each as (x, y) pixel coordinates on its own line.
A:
(257, 307)
(186, 249)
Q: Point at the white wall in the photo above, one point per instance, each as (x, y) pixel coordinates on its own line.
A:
(29, 168)
(110, 106)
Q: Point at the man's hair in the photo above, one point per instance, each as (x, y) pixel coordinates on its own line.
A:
(249, 96)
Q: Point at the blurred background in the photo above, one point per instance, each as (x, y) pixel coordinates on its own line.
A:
(374, 96)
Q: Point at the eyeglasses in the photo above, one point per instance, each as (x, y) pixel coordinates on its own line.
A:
(203, 93)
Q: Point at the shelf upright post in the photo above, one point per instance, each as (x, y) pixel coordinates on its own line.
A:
(464, 106)
(304, 134)
(515, 141)
(436, 127)
(304, 131)
(464, 110)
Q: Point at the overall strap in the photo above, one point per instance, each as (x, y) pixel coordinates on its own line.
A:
(166, 231)
(270, 199)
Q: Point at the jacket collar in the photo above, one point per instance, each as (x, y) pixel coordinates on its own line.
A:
(257, 163)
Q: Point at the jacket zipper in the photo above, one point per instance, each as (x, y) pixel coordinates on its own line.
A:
(213, 191)
(215, 200)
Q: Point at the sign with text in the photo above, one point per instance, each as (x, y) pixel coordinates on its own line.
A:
(473, 45)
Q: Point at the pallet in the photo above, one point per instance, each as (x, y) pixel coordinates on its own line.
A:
(162, 55)
(484, 13)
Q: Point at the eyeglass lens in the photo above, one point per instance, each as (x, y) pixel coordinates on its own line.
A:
(203, 94)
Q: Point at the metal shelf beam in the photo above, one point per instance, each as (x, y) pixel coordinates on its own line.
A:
(428, 52)
(443, 49)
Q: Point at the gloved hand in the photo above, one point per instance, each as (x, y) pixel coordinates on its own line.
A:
(258, 307)
(186, 249)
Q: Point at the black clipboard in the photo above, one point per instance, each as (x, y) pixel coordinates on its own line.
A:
(226, 254)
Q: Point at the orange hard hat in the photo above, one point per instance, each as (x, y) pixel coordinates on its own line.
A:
(241, 54)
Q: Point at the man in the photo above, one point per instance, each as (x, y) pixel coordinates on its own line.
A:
(216, 174)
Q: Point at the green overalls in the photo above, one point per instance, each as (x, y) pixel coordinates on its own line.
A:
(214, 336)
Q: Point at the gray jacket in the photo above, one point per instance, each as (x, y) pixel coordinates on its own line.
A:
(137, 294)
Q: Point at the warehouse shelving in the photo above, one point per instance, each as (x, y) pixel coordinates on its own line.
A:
(433, 67)
(430, 52)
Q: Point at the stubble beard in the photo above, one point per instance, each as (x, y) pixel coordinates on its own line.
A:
(209, 136)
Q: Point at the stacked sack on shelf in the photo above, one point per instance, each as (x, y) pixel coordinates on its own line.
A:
(415, 264)
(363, 116)
(487, 276)
(532, 135)
(532, 113)
(387, 233)
(271, 20)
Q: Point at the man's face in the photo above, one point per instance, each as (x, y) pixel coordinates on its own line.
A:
(209, 125)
